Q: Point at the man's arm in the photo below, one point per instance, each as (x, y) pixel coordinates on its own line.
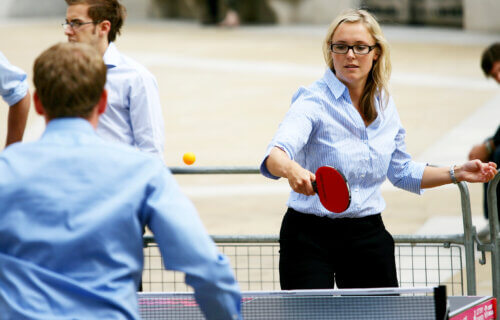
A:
(146, 115)
(185, 246)
(496, 139)
(484, 150)
(18, 115)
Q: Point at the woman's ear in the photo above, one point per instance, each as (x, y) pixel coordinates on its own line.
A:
(377, 54)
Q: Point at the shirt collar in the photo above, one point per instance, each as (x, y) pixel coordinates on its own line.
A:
(111, 56)
(337, 87)
(77, 125)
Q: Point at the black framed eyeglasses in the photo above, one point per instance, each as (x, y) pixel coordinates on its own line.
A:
(75, 24)
(341, 48)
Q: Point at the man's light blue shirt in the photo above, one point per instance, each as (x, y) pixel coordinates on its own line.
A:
(72, 211)
(13, 82)
(323, 128)
(133, 115)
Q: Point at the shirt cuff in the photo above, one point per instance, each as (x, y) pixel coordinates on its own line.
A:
(418, 174)
(263, 168)
(17, 94)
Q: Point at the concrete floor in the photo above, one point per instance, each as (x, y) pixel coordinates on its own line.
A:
(224, 92)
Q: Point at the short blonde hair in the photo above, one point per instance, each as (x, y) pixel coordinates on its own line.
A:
(69, 79)
(377, 82)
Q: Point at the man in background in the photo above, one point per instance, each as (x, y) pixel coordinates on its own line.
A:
(489, 150)
(134, 114)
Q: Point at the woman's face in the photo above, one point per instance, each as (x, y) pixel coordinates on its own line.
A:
(353, 69)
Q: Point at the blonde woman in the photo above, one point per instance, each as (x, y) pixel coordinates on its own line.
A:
(348, 120)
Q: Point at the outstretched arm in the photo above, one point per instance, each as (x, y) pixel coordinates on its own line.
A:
(185, 246)
(18, 115)
(471, 171)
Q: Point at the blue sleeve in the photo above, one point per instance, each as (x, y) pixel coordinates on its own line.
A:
(146, 115)
(13, 82)
(294, 131)
(185, 246)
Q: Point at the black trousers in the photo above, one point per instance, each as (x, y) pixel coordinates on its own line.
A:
(317, 252)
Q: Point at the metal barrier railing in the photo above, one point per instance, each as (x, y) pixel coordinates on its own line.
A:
(421, 260)
(493, 244)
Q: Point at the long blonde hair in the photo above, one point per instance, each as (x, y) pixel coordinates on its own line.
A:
(378, 79)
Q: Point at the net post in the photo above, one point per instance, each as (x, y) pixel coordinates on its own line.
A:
(441, 302)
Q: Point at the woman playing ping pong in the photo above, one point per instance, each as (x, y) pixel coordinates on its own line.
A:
(348, 120)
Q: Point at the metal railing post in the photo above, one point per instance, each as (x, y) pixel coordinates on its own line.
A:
(494, 229)
(469, 231)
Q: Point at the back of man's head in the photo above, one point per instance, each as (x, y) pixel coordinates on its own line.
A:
(100, 10)
(490, 56)
(69, 80)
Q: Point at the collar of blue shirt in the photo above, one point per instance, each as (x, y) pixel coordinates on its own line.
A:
(69, 124)
(337, 87)
(111, 56)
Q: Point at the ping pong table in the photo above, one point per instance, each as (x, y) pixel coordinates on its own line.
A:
(386, 303)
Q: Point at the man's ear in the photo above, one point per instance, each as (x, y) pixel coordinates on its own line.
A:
(103, 101)
(104, 28)
(38, 104)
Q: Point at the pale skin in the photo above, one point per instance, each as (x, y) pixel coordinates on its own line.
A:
(480, 151)
(94, 34)
(16, 123)
(353, 70)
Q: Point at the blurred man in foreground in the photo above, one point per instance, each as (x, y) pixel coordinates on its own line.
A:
(72, 210)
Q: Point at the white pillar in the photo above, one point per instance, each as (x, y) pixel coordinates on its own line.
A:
(310, 11)
(482, 15)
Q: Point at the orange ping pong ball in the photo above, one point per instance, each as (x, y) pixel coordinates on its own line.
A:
(189, 158)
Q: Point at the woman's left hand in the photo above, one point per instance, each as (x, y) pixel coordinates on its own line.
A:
(476, 171)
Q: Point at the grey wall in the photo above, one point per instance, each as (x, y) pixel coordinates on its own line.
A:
(32, 8)
(482, 15)
(57, 8)
(478, 15)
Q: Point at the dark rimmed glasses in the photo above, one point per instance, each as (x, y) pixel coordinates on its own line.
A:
(75, 24)
(341, 48)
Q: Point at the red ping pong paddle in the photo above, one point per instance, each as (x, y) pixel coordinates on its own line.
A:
(332, 189)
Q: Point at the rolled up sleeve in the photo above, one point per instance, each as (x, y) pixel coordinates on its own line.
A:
(13, 82)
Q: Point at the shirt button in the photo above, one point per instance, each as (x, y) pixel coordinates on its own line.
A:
(362, 176)
(356, 190)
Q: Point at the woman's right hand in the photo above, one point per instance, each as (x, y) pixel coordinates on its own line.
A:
(279, 164)
(300, 179)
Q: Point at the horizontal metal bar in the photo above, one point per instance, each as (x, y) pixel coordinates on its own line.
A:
(439, 239)
(245, 238)
(448, 238)
(215, 170)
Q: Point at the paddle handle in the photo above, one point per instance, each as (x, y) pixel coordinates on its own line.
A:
(315, 186)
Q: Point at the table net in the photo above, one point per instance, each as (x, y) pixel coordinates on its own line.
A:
(387, 304)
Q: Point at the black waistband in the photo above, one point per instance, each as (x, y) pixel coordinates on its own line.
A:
(312, 217)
